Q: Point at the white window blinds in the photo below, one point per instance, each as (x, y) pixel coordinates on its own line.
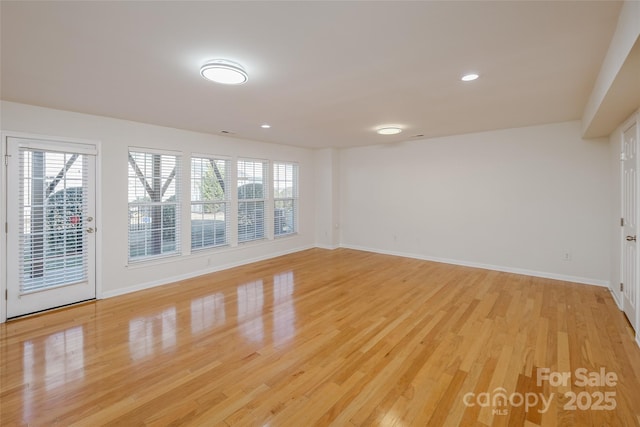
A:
(285, 197)
(154, 204)
(53, 211)
(252, 194)
(210, 219)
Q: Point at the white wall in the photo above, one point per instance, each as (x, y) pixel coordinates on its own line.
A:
(116, 136)
(513, 199)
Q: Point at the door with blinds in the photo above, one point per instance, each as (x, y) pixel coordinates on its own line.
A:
(50, 224)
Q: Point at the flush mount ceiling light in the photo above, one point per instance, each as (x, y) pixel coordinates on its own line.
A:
(265, 126)
(389, 130)
(223, 71)
(469, 77)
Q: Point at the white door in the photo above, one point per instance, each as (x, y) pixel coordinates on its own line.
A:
(630, 224)
(50, 224)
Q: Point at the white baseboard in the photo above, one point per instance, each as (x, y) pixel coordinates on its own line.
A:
(329, 247)
(616, 298)
(545, 275)
(213, 269)
(192, 274)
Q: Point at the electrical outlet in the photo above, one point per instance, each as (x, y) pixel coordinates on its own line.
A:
(566, 256)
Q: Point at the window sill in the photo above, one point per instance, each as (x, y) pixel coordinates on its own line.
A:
(210, 249)
(204, 252)
(156, 260)
(253, 242)
(285, 235)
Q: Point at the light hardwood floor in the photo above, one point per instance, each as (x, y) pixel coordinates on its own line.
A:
(325, 338)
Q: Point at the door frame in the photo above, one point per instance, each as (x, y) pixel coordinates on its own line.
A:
(4, 135)
(628, 123)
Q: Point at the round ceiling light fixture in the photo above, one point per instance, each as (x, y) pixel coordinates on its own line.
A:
(223, 71)
(389, 130)
(265, 126)
(469, 77)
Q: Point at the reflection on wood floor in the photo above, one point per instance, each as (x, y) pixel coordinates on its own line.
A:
(329, 338)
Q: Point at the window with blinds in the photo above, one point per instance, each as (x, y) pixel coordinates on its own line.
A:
(285, 198)
(252, 194)
(53, 210)
(209, 202)
(154, 204)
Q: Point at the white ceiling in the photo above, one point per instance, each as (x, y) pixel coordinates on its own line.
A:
(321, 73)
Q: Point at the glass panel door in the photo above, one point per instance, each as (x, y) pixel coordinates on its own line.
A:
(51, 230)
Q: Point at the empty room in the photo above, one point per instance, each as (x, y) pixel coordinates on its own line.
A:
(320, 213)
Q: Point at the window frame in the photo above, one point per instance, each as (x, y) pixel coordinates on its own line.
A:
(294, 198)
(226, 200)
(264, 200)
(176, 203)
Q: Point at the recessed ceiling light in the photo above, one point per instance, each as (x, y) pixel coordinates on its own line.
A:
(469, 77)
(389, 131)
(223, 71)
(265, 126)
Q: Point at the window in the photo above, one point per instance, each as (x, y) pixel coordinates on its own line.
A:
(251, 199)
(209, 202)
(285, 196)
(154, 204)
(53, 205)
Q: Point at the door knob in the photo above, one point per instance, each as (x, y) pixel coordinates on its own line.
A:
(91, 230)
(631, 238)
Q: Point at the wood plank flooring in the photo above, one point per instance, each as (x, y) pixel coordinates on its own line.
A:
(328, 338)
